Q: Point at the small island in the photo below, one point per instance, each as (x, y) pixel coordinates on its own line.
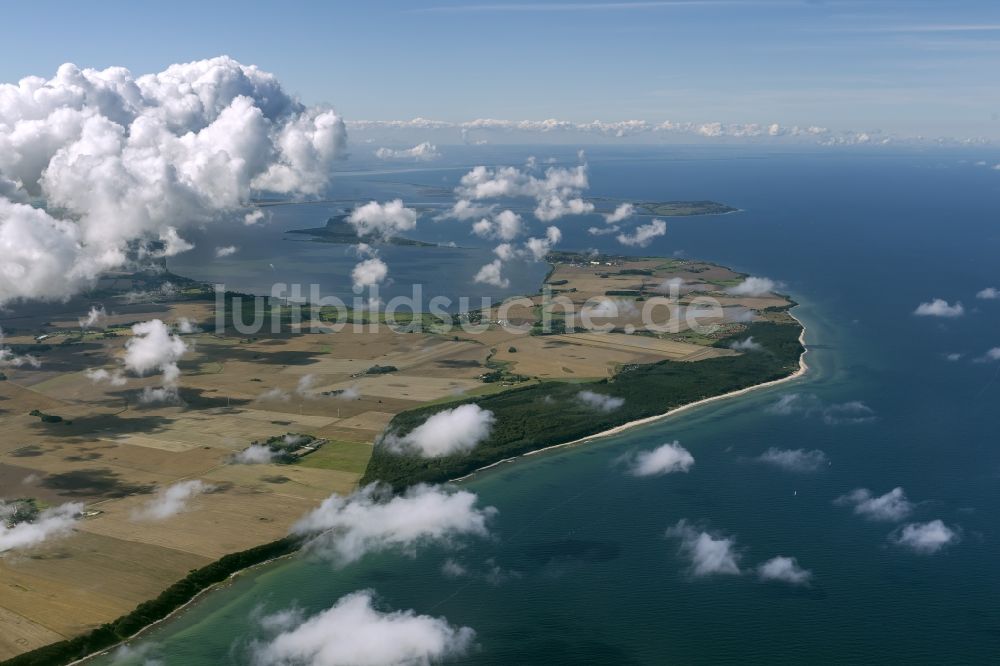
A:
(339, 231)
(685, 208)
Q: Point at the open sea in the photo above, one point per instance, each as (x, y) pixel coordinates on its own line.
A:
(579, 569)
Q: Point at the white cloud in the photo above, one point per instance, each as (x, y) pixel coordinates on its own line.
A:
(709, 555)
(611, 308)
(925, 538)
(794, 460)
(9, 359)
(505, 251)
(356, 633)
(153, 347)
(666, 459)
(113, 377)
(255, 454)
(807, 404)
(600, 401)
(505, 226)
(604, 231)
(753, 286)
(369, 272)
(891, 506)
(644, 234)
(447, 432)
(620, 214)
(227, 251)
(50, 523)
(464, 210)
(186, 326)
(124, 158)
(385, 220)
(94, 316)
(784, 570)
(253, 217)
(421, 152)
(171, 500)
(939, 308)
(990, 355)
(491, 273)
(747, 345)
(556, 194)
(539, 247)
(988, 294)
(373, 519)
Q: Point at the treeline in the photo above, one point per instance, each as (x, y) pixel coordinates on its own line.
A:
(148, 612)
(551, 412)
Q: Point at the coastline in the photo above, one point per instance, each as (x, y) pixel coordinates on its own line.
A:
(802, 370)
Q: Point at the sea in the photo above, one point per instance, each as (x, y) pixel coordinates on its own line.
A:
(579, 568)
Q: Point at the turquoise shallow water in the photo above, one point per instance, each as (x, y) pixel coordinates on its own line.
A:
(860, 240)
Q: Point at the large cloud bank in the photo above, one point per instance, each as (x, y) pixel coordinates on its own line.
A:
(126, 158)
(371, 519)
(354, 632)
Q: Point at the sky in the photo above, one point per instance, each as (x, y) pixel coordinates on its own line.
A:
(909, 67)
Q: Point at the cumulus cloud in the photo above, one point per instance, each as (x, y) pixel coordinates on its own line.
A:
(807, 404)
(891, 506)
(491, 273)
(421, 152)
(113, 377)
(95, 316)
(666, 459)
(447, 432)
(784, 570)
(355, 632)
(604, 231)
(227, 251)
(925, 538)
(747, 345)
(708, 554)
(754, 286)
(556, 194)
(600, 401)
(125, 158)
(644, 234)
(464, 210)
(794, 460)
(153, 347)
(384, 220)
(940, 308)
(505, 226)
(255, 454)
(988, 294)
(48, 524)
(373, 519)
(620, 214)
(369, 272)
(171, 500)
(538, 248)
(9, 359)
(610, 308)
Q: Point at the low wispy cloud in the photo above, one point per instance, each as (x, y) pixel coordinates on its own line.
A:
(794, 460)
(925, 538)
(784, 570)
(354, 631)
(372, 519)
(988, 294)
(940, 308)
(420, 152)
(226, 251)
(810, 405)
(708, 554)
(753, 286)
(94, 316)
(644, 234)
(600, 401)
(620, 214)
(666, 459)
(48, 524)
(747, 345)
(890, 507)
(170, 501)
(447, 432)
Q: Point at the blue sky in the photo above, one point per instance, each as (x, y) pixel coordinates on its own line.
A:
(911, 67)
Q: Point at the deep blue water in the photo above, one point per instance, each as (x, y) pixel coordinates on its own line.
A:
(860, 240)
